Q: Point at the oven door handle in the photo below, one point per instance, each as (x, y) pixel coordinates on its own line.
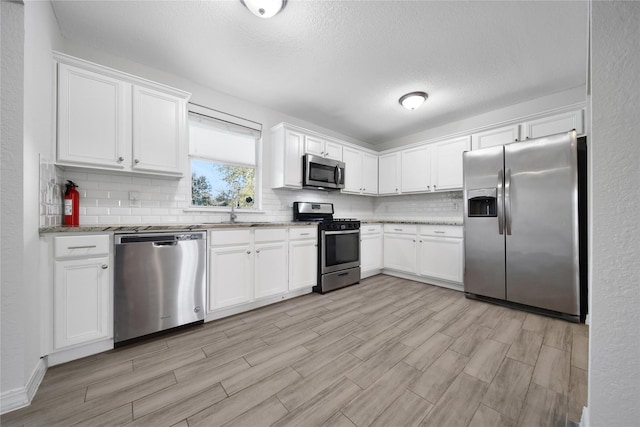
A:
(328, 233)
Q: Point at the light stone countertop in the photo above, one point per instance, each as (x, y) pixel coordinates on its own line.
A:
(217, 225)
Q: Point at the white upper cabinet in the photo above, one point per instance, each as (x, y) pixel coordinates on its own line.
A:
(287, 147)
(361, 172)
(389, 173)
(158, 131)
(557, 123)
(493, 137)
(446, 163)
(321, 147)
(115, 121)
(94, 120)
(369, 174)
(416, 169)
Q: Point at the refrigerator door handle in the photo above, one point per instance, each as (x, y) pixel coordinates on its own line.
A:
(507, 201)
(500, 205)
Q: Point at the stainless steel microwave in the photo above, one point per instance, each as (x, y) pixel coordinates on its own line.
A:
(322, 173)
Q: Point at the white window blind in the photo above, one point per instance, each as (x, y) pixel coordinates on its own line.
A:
(225, 142)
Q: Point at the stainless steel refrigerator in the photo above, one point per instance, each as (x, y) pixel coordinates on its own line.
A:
(524, 225)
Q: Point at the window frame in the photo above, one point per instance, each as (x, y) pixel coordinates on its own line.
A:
(257, 199)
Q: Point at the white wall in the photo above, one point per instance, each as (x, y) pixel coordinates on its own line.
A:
(12, 356)
(20, 181)
(614, 354)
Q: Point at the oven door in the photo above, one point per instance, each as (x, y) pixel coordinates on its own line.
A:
(340, 250)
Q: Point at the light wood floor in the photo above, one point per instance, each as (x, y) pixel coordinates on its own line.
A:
(386, 352)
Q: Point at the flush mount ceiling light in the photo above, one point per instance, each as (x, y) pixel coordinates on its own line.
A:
(264, 8)
(413, 100)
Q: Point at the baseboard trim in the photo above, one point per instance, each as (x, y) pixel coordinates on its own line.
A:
(427, 280)
(22, 396)
(79, 352)
(225, 312)
(584, 420)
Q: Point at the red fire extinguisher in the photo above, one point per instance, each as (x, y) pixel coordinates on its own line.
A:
(71, 205)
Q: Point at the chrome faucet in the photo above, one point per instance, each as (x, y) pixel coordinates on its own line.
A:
(233, 216)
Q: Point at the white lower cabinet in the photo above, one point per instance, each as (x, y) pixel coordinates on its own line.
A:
(245, 265)
(81, 301)
(371, 246)
(428, 250)
(441, 257)
(270, 270)
(400, 247)
(230, 277)
(303, 257)
(82, 295)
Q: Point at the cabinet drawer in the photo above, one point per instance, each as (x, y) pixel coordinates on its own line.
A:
(401, 228)
(229, 237)
(81, 246)
(370, 229)
(441, 230)
(270, 234)
(303, 233)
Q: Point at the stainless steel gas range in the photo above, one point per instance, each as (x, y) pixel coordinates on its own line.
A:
(338, 245)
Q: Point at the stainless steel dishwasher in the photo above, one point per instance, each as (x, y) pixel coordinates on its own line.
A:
(159, 282)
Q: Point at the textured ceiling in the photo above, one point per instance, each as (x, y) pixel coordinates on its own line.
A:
(344, 64)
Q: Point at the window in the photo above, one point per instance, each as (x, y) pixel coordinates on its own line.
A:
(224, 162)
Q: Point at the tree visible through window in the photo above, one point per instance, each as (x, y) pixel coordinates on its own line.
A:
(214, 184)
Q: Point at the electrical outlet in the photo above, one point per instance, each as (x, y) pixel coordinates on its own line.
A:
(134, 199)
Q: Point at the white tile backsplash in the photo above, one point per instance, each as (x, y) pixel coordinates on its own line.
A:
(444, 205)
(104, 199)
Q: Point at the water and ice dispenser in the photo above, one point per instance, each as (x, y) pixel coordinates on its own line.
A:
(482, 202)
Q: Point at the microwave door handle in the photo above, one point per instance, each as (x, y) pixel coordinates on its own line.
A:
(336, 174)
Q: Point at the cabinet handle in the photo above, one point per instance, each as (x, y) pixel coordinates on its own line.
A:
(136, 161)
(439, 232)
(397, 229)
(396, 189)
(414, 240)
(420, 241)
(434, 186)
(121, 159)
(104, 266)
(428, 187)
(364, 189)
(248, 252)
(304, 234)
(81, 247)
(257, 251)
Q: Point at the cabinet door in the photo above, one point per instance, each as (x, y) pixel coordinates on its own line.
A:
(353, 170)
(555, 124)
(270, 269)
(369, 173)
(82, 301)
(416, 170)
(400, 252)
(371, 252)
(158, 131)
(389, 174)
(333, 150)
(94, 125)
(303, 264)
(447, 163)
(441, 257)
(493, 137)
(314, 145)
(293, 151)
(230, 276)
